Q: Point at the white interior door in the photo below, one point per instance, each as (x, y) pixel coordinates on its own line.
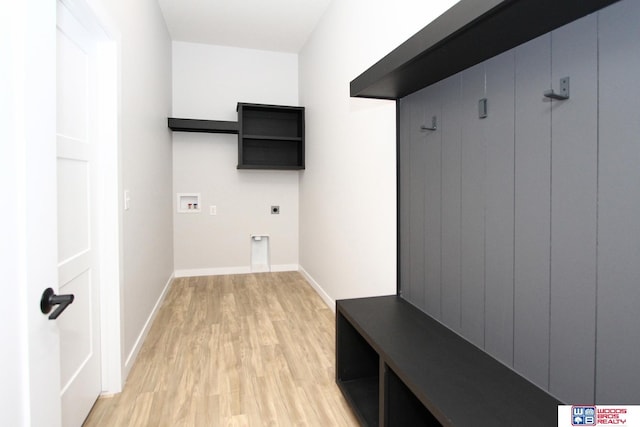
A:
(30, 384)
(78, 203)
(30, 356)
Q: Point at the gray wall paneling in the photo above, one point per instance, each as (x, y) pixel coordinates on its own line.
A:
(473, 164)
(451, 173)
(404, 154)
(431, 99)
(573, 213)
(417, 178)
(532, 211)
(417, 201)
(618, 294)
(521, 231)
(411, 211)
(499, 206)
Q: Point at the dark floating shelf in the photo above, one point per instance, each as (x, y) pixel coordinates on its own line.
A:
(207, 126)
(269, 136)
(470, 32)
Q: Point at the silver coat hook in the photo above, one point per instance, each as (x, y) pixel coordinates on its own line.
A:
(482, 108)
(434, 124)
(564, 91)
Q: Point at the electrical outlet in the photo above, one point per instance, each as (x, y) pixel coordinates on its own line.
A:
(275, 210)
(213, 210)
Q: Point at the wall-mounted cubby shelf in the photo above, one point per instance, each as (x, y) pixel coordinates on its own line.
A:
(269, 136)
(467, 34)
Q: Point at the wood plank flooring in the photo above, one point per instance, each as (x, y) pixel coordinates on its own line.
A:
(240, 350)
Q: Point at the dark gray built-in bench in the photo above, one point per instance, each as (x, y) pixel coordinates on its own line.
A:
(397, 366)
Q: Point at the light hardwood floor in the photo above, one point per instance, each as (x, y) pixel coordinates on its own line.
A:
(241, 350)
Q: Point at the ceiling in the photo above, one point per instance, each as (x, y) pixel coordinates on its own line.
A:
(278, 25)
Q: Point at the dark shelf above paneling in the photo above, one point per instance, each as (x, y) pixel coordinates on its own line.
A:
(207, 126)
(470, 32)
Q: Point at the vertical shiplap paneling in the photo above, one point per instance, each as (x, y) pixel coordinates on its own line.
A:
(529, 208)
(573, 213)
(432, 209)
(404, 178)
(618, 295)
(532, 211)
(472, 204)
(451, 173)
(416, 201)
(499, 199)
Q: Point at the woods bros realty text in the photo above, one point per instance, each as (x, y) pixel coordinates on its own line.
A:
(597, 415)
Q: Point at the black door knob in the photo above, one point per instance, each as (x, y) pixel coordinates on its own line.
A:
(49, 299)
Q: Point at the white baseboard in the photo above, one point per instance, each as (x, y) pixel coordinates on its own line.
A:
(285, 267)
(331, 303)
(145, 330)
(221, 271)
(195, 272)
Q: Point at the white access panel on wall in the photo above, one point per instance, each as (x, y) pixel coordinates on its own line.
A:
(188, 202)
(260, 262)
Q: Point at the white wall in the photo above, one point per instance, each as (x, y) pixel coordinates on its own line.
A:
(348, 191)
(208, 82)
(145, 163)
